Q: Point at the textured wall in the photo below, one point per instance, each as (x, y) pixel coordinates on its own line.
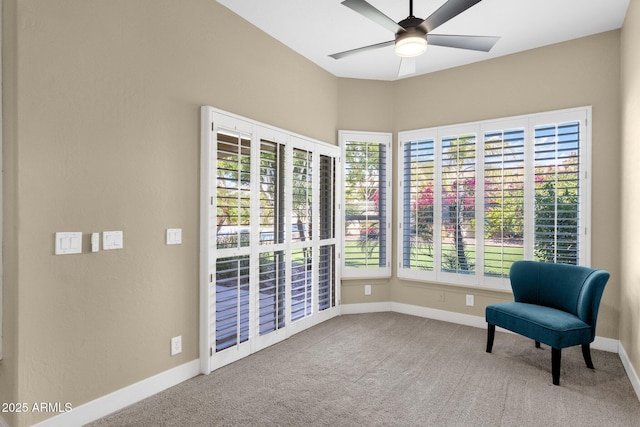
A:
(106, 136)
(576, 73)
(101, 132)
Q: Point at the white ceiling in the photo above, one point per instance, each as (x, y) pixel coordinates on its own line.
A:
(317, 28)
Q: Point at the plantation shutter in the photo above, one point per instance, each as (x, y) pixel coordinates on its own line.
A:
(504, 182)
(327, 253)
(271, 291)
(269, 246)
(557, 192)
(458, 203)
(418, 204)
(471, 208)
(366, 171)
(233, 192)
(272, 262)
(232, 302)
(272, 179)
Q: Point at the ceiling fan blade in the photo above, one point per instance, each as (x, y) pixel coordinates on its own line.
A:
(361, 49)
(407, 66)
(481, 43)
(450, 9)
(368, 11)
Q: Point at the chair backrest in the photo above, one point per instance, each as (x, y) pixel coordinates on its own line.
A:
(569, 288)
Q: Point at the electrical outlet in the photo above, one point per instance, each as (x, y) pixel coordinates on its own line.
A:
(176, 345)
(367, 289)
(470, 300)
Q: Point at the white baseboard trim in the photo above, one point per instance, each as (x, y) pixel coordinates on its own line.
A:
(606, 344)
(600, 343)
(443, 315)
(124, 397)
(129, 395)
(369, 307)
(628, 367)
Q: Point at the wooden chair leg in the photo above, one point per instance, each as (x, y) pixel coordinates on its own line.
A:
(537, 344)
(586, 353)
(491, 333)
(556, 355)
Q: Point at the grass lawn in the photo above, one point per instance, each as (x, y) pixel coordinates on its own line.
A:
(498, 259)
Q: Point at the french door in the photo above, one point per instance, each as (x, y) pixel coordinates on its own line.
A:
(269, 260)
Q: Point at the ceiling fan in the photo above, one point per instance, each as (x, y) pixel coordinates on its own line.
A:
(414, 34)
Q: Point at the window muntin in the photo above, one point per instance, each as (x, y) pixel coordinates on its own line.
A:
(367, 196)
(470, 208)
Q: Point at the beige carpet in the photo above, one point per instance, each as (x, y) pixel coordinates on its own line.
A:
(396, 370)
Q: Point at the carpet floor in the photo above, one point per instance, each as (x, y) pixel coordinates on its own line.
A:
(391, 369)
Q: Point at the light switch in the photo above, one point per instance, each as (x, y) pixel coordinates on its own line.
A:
(95, 242)
(112, 240)
(174, 236)
(68, 242)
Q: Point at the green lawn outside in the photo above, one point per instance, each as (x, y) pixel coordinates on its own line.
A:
(355, 257)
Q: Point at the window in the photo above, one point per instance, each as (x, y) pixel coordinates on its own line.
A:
(476, 197)
(367, 204)
(269, 219)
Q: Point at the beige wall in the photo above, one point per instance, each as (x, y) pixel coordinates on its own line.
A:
(101, 132)
(630, 251)
(576, 73)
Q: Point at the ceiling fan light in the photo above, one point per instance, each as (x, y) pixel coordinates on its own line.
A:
(411, 45)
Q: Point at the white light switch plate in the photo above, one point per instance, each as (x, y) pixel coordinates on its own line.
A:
(68, 242)
(112, 240)
(174, 236)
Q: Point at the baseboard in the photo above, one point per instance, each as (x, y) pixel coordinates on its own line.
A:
(369, 307)
(124, 397)
(600, 343)
(129, 395)
(443, 315)
(631, 373)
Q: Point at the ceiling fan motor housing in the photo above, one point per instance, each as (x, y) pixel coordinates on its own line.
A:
(412, 40)
(410, 22)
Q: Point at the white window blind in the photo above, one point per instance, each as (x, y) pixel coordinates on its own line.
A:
(269, 243)
(557, 192)
(367, 203)
(233, 173)
(418, 199)
(232, 302)
(272, 179)
(504, 179)
(458, 203)
(478, 196)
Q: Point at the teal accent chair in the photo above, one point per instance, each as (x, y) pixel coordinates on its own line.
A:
(555, 304)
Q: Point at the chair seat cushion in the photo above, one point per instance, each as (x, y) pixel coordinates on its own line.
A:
(547, 325)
